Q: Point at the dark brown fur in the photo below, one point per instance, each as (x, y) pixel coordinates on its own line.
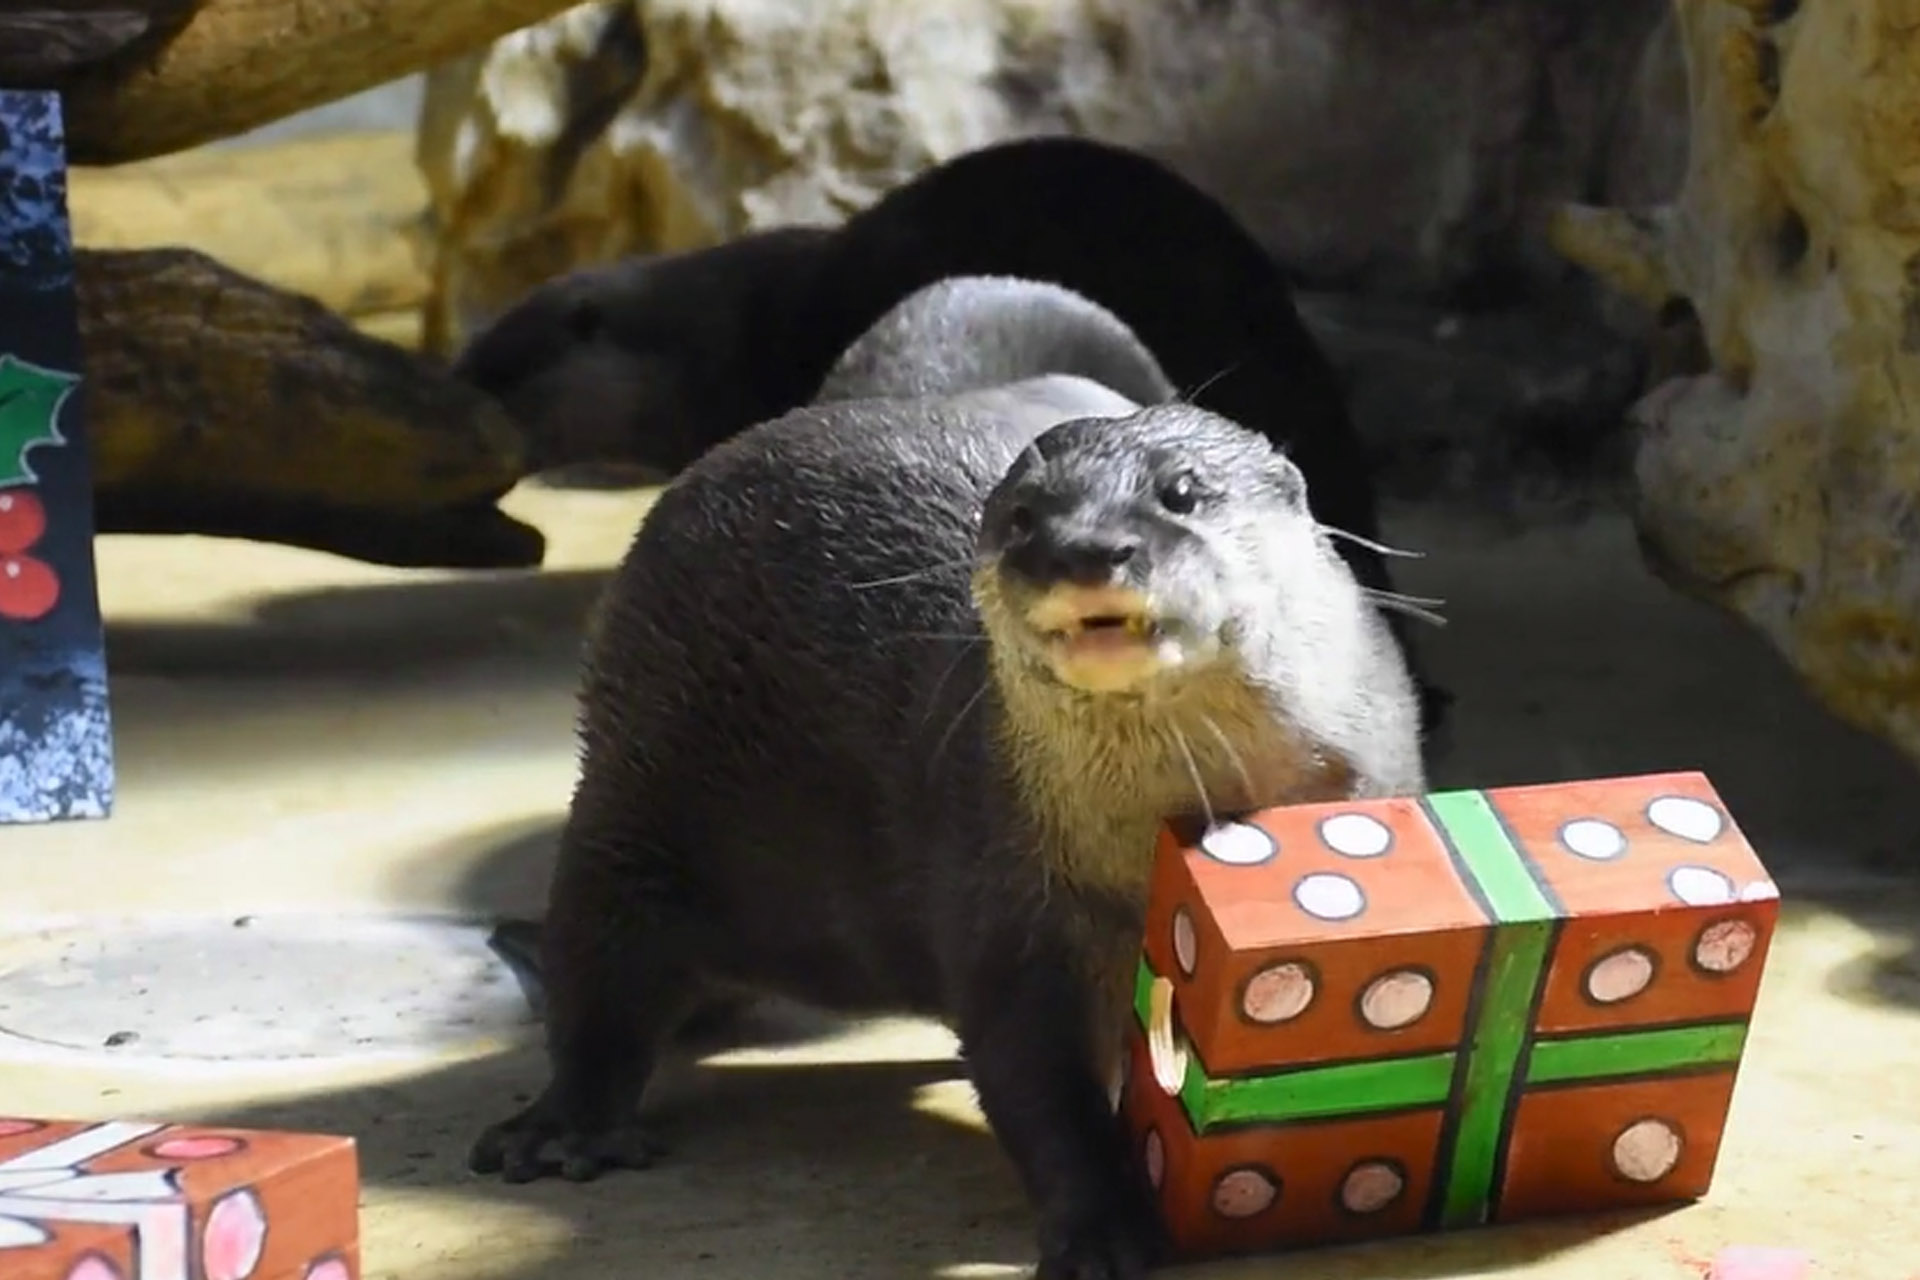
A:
(807, 769)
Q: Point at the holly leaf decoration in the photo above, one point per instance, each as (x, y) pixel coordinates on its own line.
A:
(30, 400)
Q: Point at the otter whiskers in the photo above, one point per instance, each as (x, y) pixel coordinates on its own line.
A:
(1421, 607)
(1233, 758)
(1334, 531)
(966, 709)
(1187, 397)
(1193, 770)
(916, 575)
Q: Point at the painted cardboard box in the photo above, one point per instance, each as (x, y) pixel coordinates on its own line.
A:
(1369, 1019)
(130, 1200)
(56, 742)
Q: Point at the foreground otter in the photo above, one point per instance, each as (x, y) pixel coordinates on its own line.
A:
(881, 712)
(655, 360)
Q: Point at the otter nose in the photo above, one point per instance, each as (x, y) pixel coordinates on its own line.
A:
(1085, 559)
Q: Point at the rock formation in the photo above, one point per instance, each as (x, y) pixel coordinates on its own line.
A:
(1779, 476)
(1415, 152)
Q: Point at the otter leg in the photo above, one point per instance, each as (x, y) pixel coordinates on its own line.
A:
(619, 980)
(1031, 1063)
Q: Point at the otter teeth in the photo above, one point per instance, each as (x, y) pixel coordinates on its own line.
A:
(1137, 625)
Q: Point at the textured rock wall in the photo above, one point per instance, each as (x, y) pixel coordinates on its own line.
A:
(1782, 480)
(1407, 150)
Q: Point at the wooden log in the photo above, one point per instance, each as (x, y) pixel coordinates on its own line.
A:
(221, 405)
(238, 64)
(332, 217)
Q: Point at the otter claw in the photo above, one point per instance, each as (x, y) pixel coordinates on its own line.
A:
(514, 1149)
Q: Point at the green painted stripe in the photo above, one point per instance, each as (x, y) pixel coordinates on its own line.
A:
(1307, 1093)
(1498, 1040)
(1470, 823)
(1340, 1089)
(1142, 990)
(1493, 1057)
(1601, 1056)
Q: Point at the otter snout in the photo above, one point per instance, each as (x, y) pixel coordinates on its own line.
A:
(1081, 588)
(1095, 558)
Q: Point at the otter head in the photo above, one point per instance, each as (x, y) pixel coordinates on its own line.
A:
(643, 364)
(1126, 555)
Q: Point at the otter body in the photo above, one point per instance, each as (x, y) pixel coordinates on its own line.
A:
(882, 711)
(652, 361)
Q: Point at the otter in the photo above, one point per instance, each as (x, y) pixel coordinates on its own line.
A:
(651, 361)
(881, 713)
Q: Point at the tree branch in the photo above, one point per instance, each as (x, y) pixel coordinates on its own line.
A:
(217, 404)
(239, 64)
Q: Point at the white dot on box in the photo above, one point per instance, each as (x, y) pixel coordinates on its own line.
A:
(1186, 946)
(1371, 1186)
(1278, 993)
(1760, 891)
(1397, 999)
(1700, 886)
(1646, 1150)
(1724, 945)
(1620, 976)
(1328, 895)
(1683, 816)
(1593, 839)
(22, 1233)
(1238, 844)
(1356, 835)
(1242, 1193)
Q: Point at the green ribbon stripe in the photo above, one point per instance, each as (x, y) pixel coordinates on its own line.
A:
(1500, 1054)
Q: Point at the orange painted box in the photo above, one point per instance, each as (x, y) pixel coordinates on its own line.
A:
(1382, 1017)
(127, 1200)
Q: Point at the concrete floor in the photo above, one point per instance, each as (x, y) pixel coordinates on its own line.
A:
(298, 734)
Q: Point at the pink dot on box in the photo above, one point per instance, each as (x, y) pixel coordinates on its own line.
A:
(1748, 1262)
(198, 1147)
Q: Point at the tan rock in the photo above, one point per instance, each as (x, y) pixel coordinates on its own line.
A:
(1782, 482)
(1357, 140)
(332, 217)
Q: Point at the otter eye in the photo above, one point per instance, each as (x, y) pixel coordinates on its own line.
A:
(1181, 494)
(1020, 520)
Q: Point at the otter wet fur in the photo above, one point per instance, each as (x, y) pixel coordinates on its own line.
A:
(881, 712)
(654, 360)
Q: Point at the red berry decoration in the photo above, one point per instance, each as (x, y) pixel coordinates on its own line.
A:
(28, 588)
(23, 521)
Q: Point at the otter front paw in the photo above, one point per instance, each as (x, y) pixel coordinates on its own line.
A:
(1095, 1246)
(515, 1148)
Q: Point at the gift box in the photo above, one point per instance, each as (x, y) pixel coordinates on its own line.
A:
(1374, 1018)
(56, 743)
(129, 1200)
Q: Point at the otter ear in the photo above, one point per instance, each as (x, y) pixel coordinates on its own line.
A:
(1287, 479)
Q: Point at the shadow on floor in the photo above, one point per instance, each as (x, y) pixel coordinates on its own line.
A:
(832, 1161)
(411, 632)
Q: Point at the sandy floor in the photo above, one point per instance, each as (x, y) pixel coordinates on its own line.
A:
(300, 734)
